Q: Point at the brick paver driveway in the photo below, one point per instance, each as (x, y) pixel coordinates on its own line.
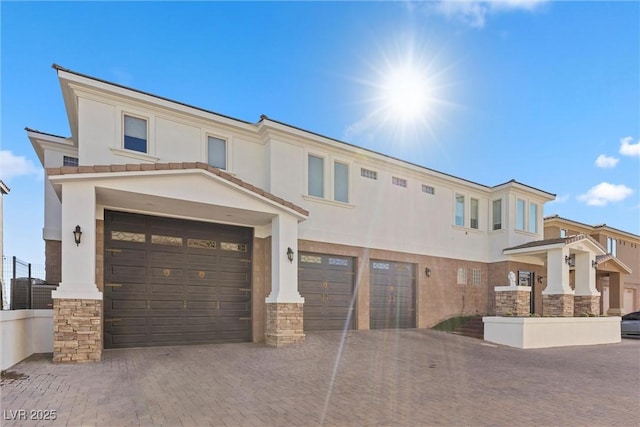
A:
(409, 377)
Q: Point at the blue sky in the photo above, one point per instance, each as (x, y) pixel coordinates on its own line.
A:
(547, 93)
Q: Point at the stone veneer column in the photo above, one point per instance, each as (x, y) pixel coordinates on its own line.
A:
(586, 297)
(284, 324)
(77, 330)
(513, 300)
(77, 303)
(284, 314)
(557, 298)
(557, 305)
(589, 304)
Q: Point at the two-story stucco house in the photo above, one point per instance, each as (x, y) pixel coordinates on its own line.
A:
(194, 227)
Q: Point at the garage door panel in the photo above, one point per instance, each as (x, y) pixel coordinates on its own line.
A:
(203, 260)
(327, 284)
(163, 265)
(173, 304)
(128, 271)
(126, 339)
(202, 305)
(201, 289)
(392, 295)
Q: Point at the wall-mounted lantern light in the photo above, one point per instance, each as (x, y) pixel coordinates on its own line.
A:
(567, 259)
(290, 254)
(427, 271)
(77, 235)
(594, 264)
(540, 279)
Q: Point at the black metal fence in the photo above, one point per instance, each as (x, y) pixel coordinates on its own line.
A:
(23, 287)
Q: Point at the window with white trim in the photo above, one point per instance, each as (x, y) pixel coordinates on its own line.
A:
(612, 246)
(428, 189)
(135, 134)
(533, 218)
(496, 214)
(459, 219)
(475, 211)
(315, 176)
(462, 276)
(217, 152)
(69, 161)
(520, 204)
(476, 276)
(341, 182)
(563, 232)
(400, 182)
(366, 173)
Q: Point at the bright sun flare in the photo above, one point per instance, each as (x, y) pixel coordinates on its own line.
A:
(406, 93)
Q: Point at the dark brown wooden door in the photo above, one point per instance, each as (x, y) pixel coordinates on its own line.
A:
(326, 283)
(393, 291)
(173, 282)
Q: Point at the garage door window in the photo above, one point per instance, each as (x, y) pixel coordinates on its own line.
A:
(125, 236)
(166, 240)
(237, 247)
(202, 244)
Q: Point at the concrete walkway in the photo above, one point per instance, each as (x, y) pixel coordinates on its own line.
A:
(410, 377)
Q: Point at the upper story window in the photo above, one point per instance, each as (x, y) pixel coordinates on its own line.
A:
(496, 214)
(400, 182)
(341, 182)
(533, 218)
(428, 189)
(459, 210)
(69, 161)
(217, 152)
(520, 214)
(135, 134)
(316, 176)
(474, 205)
(612, 246)
(368, 173)
(563, 232)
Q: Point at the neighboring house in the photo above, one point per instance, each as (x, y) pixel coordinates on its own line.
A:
(3, 190)
(200, 228)
(620, 286)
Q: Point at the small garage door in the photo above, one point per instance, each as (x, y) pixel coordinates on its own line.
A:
(393, 292)
(326, 283)
(173, 282)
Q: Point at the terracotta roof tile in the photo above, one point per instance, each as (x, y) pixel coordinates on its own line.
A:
(69, 170)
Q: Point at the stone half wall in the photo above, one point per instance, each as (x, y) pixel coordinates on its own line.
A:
(284, 324)
(513, 303)
(77, 330)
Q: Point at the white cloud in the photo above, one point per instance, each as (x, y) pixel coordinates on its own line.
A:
(606, 162)
(605, 193)
(12, 166)
(474, 12)
(629, 149)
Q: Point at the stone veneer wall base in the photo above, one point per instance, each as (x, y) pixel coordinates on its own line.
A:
(589, 304)
(560, 305)
(513, 303)
(77, 330)
(284, 324)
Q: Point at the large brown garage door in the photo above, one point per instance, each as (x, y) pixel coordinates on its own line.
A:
(393, 294)
(326, 283)
(172, 282)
